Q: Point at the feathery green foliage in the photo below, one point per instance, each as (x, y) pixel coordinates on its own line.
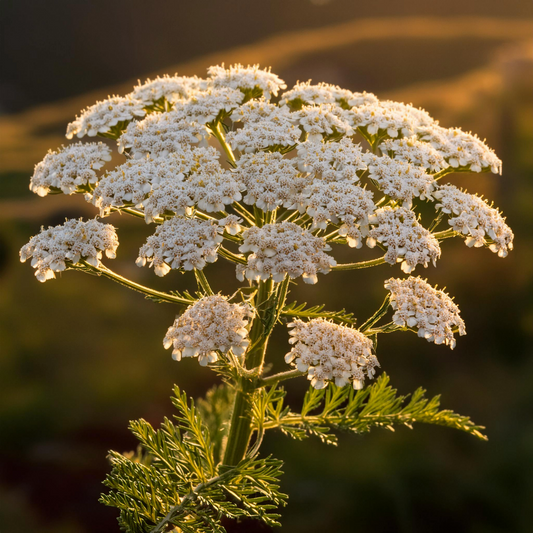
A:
(297, 310)
(174, 479)
(342, 408)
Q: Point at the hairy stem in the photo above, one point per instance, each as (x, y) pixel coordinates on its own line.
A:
(281, 376)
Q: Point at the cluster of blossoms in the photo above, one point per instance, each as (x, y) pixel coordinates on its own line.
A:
(211, 324)
(160, 134)
(419, 153)
(103, 116)
(461, 149)
(70, 168)
(419, 306)
(53, 248)
(283, 249)
(181, 243)
(170, 88)
(390, 119)
(472, 216)
(246, 79)
(332, 161)
(324, 93)
(406, 240)
(193, 149)
(270, 180)
(400, 180)
(330, 352)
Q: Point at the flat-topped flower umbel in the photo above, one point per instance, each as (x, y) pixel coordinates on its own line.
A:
(232, 167)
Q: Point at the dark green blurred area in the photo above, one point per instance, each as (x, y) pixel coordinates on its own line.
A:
(81, 356)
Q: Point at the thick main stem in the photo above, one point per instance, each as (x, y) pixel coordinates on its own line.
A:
(241, 419)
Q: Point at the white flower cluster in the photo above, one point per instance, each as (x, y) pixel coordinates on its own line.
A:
(172, 88)
(412, 150)
(432, 312)
(473, 216)
(160, 134)
(324, 93)
(332, 161)
(204, 107)
(462, 149)
(328, 352)
(281, 249)
(337, 202)
(246, 79)
(400, 180)
(211, 324)
(102, 116)
(406, 240)
(128, 184)
(187, 179)
(265, 126)
(69, 168)
(390, 118)
(71, 242)
(181, 243)
(269, 179)
(320, 121)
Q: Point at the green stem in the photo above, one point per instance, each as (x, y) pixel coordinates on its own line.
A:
(241, 418)
(219, 134)
(202, 282)
(281, 376)
(446, 234)
(376, 317)
(361, 264)
(147, 291)
(230, 256)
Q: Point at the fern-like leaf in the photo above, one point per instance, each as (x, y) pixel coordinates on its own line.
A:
(342, 408)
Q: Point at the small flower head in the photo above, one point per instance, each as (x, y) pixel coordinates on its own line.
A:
(420, 306)
(473, 217)
(104, 115)
(281, 249)
(160, 134)
(406, 240)
(70, 168)
(400, 180)
(171, 88)
(277, 133)
(389, 118)
(412, 150)
(181, 243)
(332, 161)
(209, 326)
(323, 121)
(211, 104)
(270, 180)
(336, 202)
(54, 248)
(461, 149)
(324, 93)
(330, 352)
(251, 80)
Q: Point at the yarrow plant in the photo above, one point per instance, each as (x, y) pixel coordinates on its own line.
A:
(273, 182)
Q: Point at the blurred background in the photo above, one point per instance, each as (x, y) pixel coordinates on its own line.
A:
(79, 356)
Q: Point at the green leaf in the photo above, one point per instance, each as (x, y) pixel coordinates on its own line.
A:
(173, 480)
(378, 405)
(297, 310)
